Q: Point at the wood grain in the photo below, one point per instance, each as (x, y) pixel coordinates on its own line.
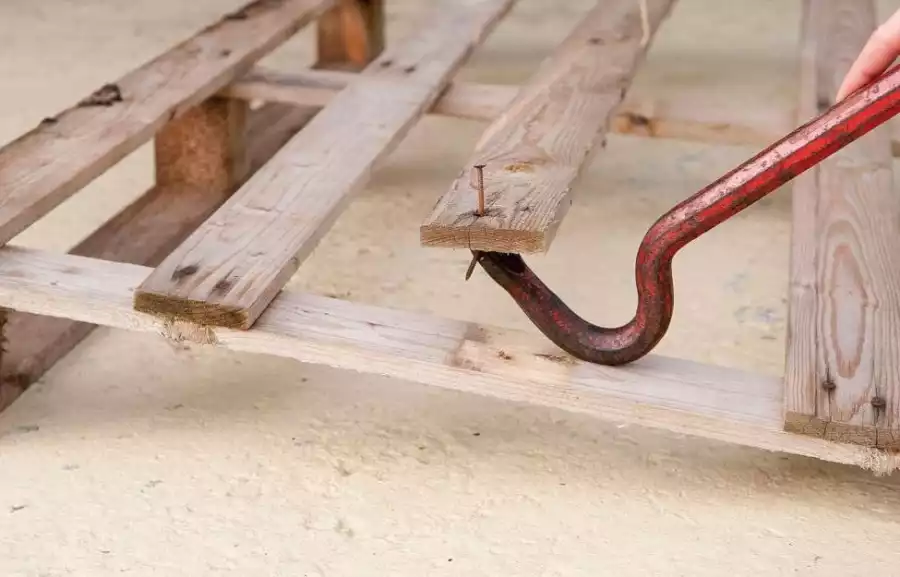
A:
(229, 270)
(655, 118)
(843, 372)
(670, 394)
(44, 167)
(535, 151)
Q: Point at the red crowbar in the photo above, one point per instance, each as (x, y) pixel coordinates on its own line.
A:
(778, 164)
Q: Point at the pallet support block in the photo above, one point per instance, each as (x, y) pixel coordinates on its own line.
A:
(842, 380)
(350, 35)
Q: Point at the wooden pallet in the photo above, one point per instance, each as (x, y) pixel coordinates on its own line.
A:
(243, 195)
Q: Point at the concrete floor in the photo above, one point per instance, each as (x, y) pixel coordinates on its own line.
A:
(132, 457)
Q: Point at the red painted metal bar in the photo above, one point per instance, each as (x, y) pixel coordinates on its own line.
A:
(802, 149)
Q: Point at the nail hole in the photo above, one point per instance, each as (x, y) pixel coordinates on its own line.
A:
(184, 271)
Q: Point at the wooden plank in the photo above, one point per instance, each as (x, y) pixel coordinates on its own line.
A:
(801, 388)
(843, 373)
(350, 35)
(44, 167)
(143, 233)
(477, 101)
(534, 153)
(670, 394)
(229, 270)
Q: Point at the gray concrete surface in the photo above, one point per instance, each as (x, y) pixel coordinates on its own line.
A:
(134, 458)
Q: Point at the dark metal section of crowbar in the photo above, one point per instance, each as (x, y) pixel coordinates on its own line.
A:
(778, 164)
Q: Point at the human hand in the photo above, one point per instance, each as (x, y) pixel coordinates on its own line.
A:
(879, 52)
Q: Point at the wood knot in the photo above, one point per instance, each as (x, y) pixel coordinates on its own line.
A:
(878, 403)
(637, 119)
(554, 358)
(829, 385)
(222, 286)
(106, 95)
(237, 15)
(519, 167)
(184, 271)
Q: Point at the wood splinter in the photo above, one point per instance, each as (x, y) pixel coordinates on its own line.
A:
(645, 23)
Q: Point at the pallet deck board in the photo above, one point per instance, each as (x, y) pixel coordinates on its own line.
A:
(670, 394)
(844, 350)
(229, 270)
(534, 153)
(44, 167)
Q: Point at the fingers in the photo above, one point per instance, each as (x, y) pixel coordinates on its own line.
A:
(880, 50)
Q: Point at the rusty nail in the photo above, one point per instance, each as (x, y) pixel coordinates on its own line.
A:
(479, 171)
(878, 402)
(828, 385)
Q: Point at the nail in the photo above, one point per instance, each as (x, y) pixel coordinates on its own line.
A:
(479, 171)
(475, 255)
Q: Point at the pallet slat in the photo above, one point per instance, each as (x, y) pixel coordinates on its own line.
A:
(843, 363)
(534, 153)
(670, 394)
(486, 102)
(44, 167)
(229, 270)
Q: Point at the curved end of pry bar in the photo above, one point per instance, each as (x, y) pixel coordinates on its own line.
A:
(808, 145)
(570, 332)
